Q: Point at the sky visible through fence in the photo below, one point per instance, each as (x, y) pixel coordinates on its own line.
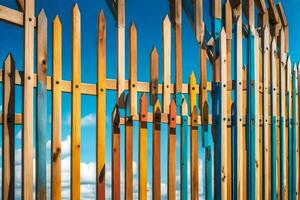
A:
(147, 16)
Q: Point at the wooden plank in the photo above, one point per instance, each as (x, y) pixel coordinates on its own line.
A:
(101, 105)
(56, 111)
(8, 129)
(281, 14)
(222, 119)
(172, 152)
(184, 150)
(41, 117)
(143, 148)
(274, 17)
(27, 154)
(116, 168)
(20, 4)
(76, 103)
(128, 151)
(199, 25)
(166, 63)
(298, 137)
(121, 51)
(133, 68)
(192, 90)
(294, 132)
(217, 9)
(267, 130)
(178, 52)
(194, 154)
(156, 177)
(11, 15)
(154, 75)
(240, 179)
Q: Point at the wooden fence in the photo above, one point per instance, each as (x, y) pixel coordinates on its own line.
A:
(250, 128)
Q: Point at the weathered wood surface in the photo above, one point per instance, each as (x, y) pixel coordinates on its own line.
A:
(133, 68)
(166, 63)
(8, 130)
(101, 106)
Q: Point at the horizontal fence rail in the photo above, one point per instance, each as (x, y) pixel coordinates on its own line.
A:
(247, 116)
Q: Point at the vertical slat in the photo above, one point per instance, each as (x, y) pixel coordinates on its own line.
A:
(143, 148)
(27, 153)
(178, 52)
(156, 179)
(56, 111)
(121, 51)
(8, 128)
(289, 123)
(192, 91)
(101, 105)
(298, 131)
(166, 63)
(116, 168)
(194, 154)
(217, 18)
(294, 114)
(221, 142)
(76, 103)
(238, 123)
(274, 119)
(154, 75)
(41, 107)
(184, 151)
(199, 25)
(267, 130)
(172, 152)
(133, 68)
(128, 151)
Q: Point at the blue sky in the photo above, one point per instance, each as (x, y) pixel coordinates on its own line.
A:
(148, 16)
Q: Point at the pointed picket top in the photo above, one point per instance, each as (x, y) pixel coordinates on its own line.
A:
(9, 60)
(154, 53)
(116, 116)
(132, 28)
(157, 107)
(143, 108)
(223, 33)
(102, 18)
(157, 112)
(184, 107)
(166, 22)
(57, 21)
(192, 90)
(194, 117)
(76, 11)
(42, 16)
(289, 61)
(172, 114)
(266, 30)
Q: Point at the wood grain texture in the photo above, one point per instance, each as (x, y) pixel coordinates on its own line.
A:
(172, 152)
(154, 75)
(194, 154)
(116, 168)
(128, 151)
(156, 174)
(76, 103)
(143, 148)
(27, 153)
(56, 111)
(8, 129)
(101, 106)
(166, 63)
(12, 16)
(133, 68)
(41, 117)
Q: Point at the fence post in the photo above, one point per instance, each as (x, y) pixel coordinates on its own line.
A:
(172, 152)
(8, 128)
(156, 179)
(133, 68)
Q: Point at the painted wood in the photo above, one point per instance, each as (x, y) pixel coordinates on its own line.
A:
(289, 121)
(56, 110)
(76, 103)
(156, 164)
(133, 68)
(166, 63)
(267, 129)
(154, 75)
(194, 154)
(199, 25)
(128, 151)
(101, 105)
(41, 117)
(8, 129)
(27, 151)
(184, 151)
(294, 132)
(121, 51)
(116, 168)
(143, 147)
(192, 91)
(172, 152)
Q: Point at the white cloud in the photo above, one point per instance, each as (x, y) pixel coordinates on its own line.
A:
(88, 120)
(65, 146)
(19, 134)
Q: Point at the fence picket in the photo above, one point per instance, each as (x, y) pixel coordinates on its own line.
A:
(143, 147)
(184, 151)
(76, 103)
(194, 154)
(116, 191)
(56, 111)
(101, 106)
(156, 179)
(8, 128)
(294, 132)
(154, 75)
(166, 63)
(172, 152)
(27, 133)
(133, 68)
(192, 91)
(289, 122)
